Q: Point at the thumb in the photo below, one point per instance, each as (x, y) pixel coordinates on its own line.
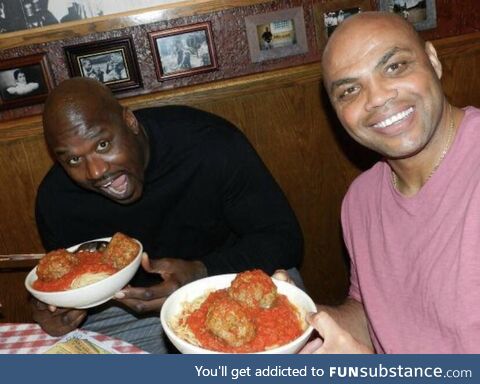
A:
(160, 266)
(146, 263)
(324, 324)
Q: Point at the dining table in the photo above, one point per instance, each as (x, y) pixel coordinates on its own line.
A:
(29, 338)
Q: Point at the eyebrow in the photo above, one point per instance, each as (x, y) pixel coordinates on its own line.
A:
(387, 56)
(93, 133)
(383, 60)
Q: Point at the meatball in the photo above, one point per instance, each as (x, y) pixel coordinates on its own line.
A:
(120, 251)
(56, 264)
(229, 321)
(253, 289)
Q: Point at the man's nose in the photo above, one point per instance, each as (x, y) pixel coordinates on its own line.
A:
(379, 94)
(96, 167)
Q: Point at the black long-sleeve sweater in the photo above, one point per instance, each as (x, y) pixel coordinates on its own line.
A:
(207, 196)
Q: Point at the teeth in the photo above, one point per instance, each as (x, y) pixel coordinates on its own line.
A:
(394, 119)
(107, 185)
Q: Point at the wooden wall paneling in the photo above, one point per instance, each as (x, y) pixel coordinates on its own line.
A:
(18, 197)
(14, 296)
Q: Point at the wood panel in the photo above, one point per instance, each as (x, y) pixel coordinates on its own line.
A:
(13, 295)
(182, 8)
(287, 118)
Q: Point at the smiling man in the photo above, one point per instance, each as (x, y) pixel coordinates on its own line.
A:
(411, 222)
(184, 182)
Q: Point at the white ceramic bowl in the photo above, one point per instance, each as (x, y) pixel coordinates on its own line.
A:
(89, 295)
(173, 307)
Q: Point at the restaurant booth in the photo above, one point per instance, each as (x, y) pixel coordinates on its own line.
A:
(273, 94)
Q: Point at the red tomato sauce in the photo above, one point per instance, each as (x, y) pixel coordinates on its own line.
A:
(275, 326)
(88, 262)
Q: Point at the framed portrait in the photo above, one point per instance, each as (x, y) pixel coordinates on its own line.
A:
(112, 62)
(276, 34)
(28, 14)
(24, 81)
(329, 15)
(421, 13)
(183, 51)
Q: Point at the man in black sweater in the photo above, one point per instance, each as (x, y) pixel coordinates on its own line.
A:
(184, 182)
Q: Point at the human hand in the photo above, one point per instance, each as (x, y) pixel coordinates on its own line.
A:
(333, 339)
(56, 321)
(175, 273)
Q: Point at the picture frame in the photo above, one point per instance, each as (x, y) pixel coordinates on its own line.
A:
(327, 16)
(422, 14)
(183, 51)
(276, 34)
(24, 81)
(113, 62)
(138, 16)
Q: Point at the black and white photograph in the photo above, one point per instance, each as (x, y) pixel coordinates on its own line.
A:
(183, 51)
(105, 67)
(421, 13)
(112, 62)
(276, 34)
(24, 81)
(328, 16)
(26, 14)
(333, 19)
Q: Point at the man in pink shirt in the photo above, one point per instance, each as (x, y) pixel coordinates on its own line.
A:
(412, 222)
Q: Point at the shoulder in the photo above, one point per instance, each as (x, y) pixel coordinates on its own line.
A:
(365, 185)
(187, 126)
(472, 115)
(178, 115)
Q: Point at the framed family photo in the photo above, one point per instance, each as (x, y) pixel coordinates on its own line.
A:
(329, 15)
(276, 34)
(183, 51)
(24, 81)
(112, 62)
(421, 13)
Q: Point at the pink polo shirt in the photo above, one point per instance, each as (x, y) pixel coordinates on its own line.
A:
(416, 260)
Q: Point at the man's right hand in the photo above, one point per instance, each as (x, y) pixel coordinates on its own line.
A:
(56, 321)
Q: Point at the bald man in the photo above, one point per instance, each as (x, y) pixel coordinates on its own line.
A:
(186, 183)
(411, 222)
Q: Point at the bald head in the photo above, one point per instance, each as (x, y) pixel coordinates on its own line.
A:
(78, 100)
(99, 144)
(384, 83)
(358, 29)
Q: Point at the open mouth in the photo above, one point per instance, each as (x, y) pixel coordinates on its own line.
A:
(397, 118)
(116, 187)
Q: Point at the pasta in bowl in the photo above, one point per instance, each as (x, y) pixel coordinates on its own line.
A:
(237, 313)
(72, 278)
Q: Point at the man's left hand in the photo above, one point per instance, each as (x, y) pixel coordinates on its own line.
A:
(175, 273)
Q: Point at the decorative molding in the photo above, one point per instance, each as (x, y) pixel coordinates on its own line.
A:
(117, 21)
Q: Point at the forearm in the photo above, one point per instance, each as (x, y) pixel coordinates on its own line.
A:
(352, 318)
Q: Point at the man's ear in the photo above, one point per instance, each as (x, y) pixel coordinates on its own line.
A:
(433, 57)
(131, 121)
